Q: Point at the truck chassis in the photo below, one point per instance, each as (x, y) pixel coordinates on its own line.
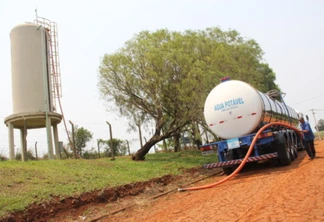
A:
(279, 145)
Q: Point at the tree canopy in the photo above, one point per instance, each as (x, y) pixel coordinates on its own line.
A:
(320, 125)
(82, 136)
(119, 146)
(165, 76)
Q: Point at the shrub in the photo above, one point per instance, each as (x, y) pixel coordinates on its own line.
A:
(3, 158)
(30, 155)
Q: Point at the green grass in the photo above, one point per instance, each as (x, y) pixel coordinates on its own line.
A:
(23, 183)
(319, 135)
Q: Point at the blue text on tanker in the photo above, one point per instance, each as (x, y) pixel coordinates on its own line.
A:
(229, 104)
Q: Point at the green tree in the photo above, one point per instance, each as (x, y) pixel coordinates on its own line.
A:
(120, 147)
(29, 154)
(3, 157)
(320, 125)
(165, 76)
(82, 137)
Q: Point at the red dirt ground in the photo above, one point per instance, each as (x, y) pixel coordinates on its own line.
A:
(265, 193)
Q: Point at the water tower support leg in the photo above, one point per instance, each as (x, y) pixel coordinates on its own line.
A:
(56, 142)
(23, 145)
(11, 142)
(49, 138)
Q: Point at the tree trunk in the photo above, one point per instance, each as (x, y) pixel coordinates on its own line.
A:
(140, 154)
(176, 139)
(165, 148)
(197, 137)
(140, 135)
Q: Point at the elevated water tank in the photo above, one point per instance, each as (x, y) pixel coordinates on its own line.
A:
(34, 72)
(30, 68)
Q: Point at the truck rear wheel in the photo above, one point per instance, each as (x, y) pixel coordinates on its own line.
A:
(291, 148)
(228, 170)
(229, 156)
(295, 146)
(284, 154)
(300, 144)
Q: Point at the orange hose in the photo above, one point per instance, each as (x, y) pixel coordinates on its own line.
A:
(238, 169)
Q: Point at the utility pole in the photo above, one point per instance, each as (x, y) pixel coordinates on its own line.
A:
(73, 140)
(111, 142)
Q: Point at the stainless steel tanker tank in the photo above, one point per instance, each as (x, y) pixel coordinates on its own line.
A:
(235, 108)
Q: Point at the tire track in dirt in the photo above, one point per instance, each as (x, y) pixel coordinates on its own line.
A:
(292, 193)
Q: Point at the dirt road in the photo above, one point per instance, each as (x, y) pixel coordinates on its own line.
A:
(292, 193)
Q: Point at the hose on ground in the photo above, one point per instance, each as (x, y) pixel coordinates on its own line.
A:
(238, 169)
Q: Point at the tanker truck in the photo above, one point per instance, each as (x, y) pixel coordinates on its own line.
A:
(234, 111)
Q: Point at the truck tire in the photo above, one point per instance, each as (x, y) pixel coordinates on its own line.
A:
(284, 154)
(295, 145)
(295, 151)
(290, 148)
(228, 170)
(300, 145)
(229, 156)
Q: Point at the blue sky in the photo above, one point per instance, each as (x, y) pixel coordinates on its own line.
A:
(290, 32)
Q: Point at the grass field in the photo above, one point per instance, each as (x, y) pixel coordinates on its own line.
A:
(319, 135)
(23, 183)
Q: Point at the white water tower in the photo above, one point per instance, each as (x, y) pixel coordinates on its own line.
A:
(35, 83)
